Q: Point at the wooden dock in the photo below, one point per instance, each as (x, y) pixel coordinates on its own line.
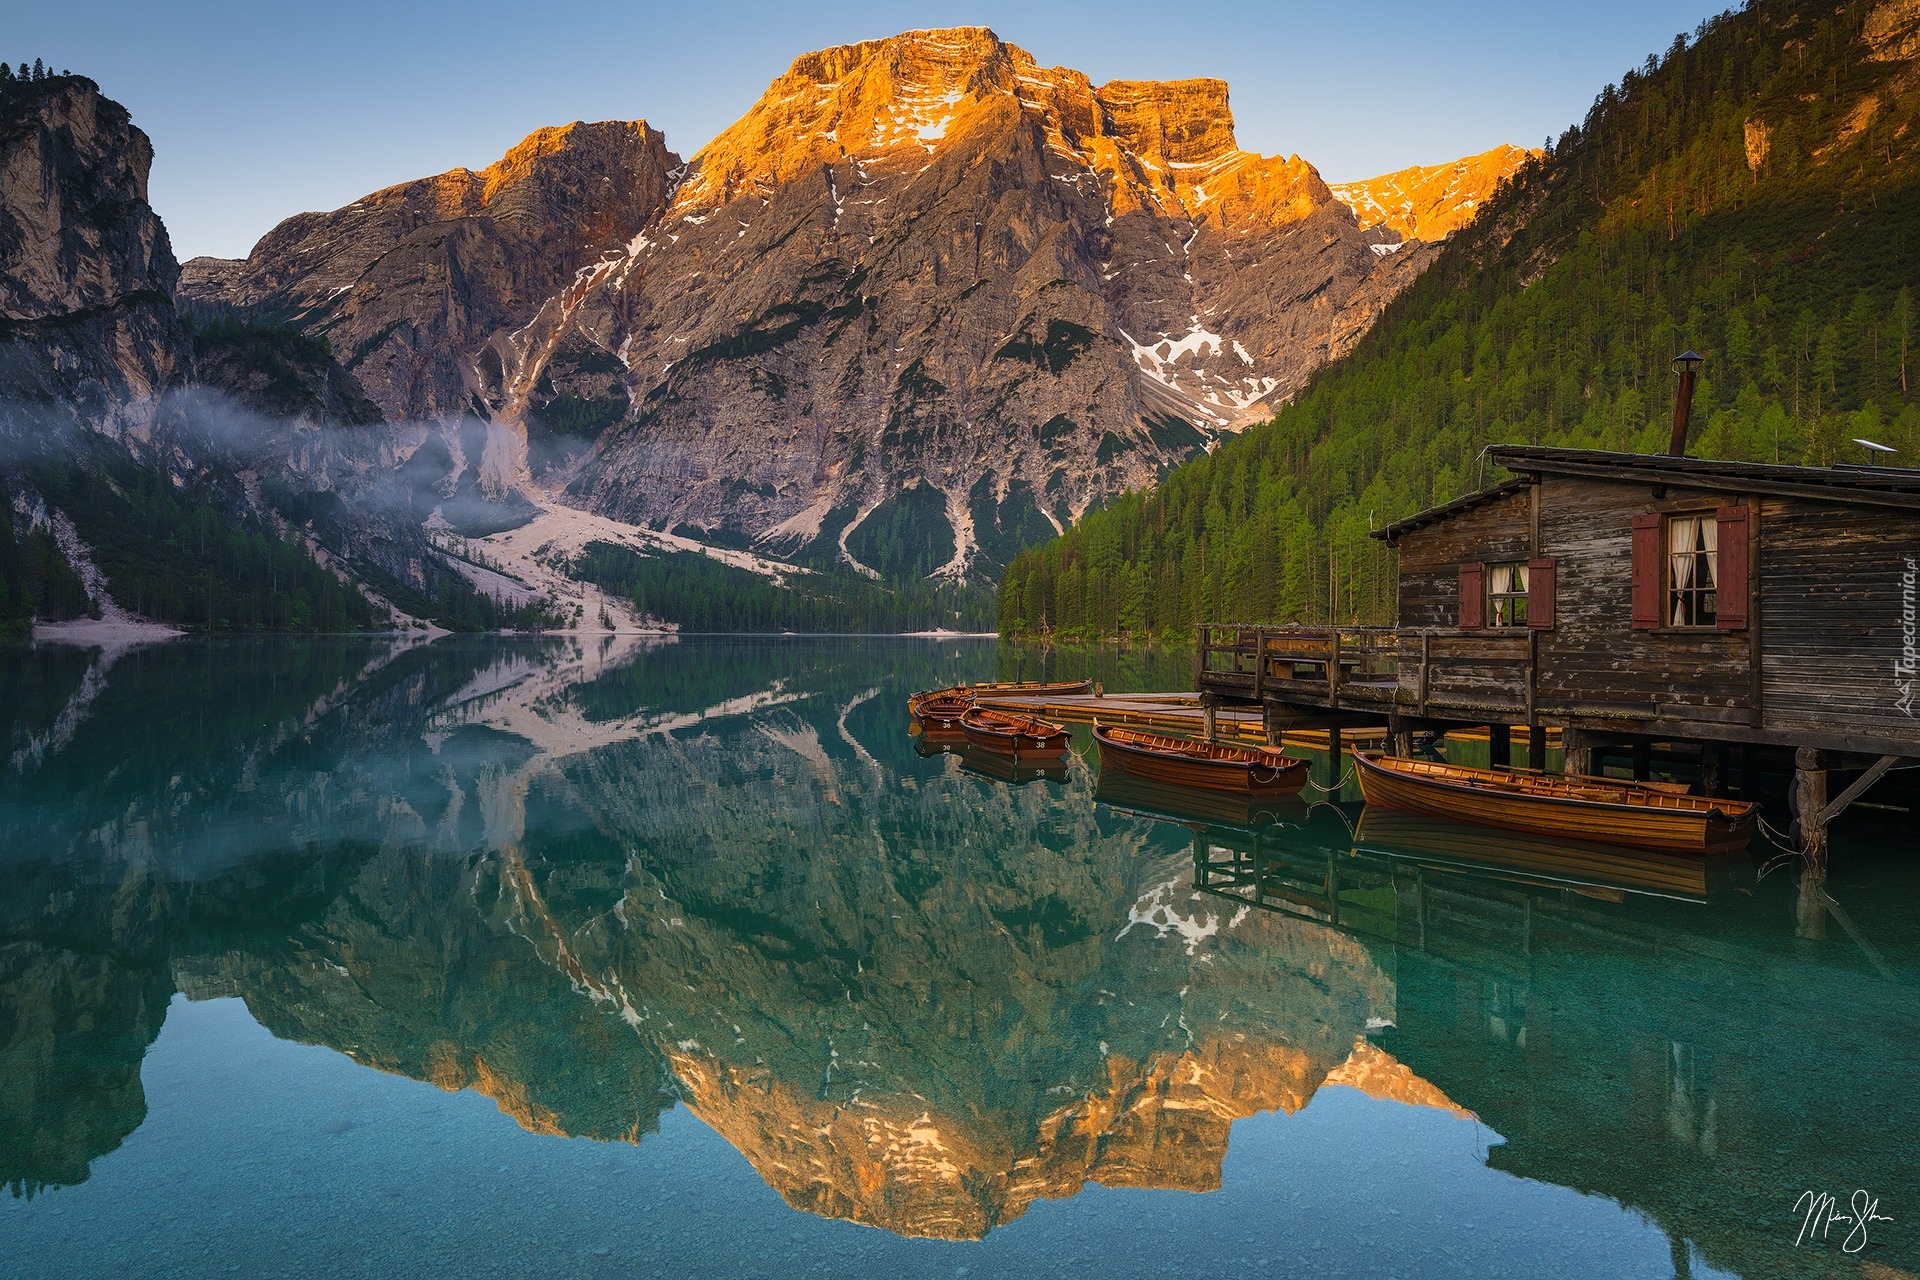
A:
(1182, 713)
(1735, 613)
(1185, 713)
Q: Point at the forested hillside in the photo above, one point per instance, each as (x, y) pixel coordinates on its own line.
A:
(35, 579)
(701, 594)
(179, 554)
(1754, 195)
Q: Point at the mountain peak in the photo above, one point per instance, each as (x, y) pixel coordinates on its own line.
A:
(1431, 202)
(1166, 146)
(924, 302)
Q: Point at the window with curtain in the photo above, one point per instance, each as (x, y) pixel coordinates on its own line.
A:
(1693, 546)
(1507, 595)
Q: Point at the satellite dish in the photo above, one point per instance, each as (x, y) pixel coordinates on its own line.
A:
(1873, 447)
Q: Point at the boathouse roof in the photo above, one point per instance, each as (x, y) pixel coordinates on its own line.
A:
(1855, 486)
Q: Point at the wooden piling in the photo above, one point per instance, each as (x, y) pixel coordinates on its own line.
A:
(1810, 790)
(1500, 746)
(1713, 779)
(1578, 747)
(1537, 747)
(1810, 904)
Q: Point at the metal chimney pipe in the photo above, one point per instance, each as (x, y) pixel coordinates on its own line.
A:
(1686, 362)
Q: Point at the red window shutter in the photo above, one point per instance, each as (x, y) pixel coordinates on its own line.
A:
(1731, 585)
(1646, 571)
(1473, 596)
(1540, 594)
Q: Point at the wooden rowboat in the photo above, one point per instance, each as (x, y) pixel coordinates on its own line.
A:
(1212, 766)
(1064, 687)
(936, 706)
(990, 730)
(939, 707)
(1573, 807)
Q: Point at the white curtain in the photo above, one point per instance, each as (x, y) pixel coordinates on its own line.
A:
(1682, 534)
(1509, 579)
(1709, 543)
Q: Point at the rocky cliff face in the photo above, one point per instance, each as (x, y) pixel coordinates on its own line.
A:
(426, 290)
(1431, 202)
(98, 368)
(923, 304)
(931, 289)
(87, 326)
(412, 283)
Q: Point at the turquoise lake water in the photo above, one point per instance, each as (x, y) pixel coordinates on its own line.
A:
(681, 957)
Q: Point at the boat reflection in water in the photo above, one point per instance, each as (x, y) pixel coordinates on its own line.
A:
(938, 742)
(1597, 870)
(1014, 770)
(597, 886)
(1163, 801)
(1597, 1008)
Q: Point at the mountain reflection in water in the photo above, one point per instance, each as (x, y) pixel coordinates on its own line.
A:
(593, 880)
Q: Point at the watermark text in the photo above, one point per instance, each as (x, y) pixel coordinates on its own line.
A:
(1907, 665)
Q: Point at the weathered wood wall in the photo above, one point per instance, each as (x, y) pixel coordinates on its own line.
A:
(1831, 602)
(1826, 602)
(1593, 662)
(1430, 558)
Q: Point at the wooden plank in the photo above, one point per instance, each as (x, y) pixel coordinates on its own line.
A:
(1430, 559)
(1533, 671)
(1829, 582)
(1735, 478)
(1872, 775)
(1426, 666)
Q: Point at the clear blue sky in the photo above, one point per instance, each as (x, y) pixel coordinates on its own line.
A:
(260, 109)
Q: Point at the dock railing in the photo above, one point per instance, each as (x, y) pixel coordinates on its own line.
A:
(1254, 661)
(1385, 668)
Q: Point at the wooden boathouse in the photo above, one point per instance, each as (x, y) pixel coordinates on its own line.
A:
(1624, 600)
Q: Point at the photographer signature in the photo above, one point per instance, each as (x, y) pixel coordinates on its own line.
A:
(1823, 1212)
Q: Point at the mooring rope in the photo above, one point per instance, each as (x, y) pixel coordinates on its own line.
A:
(1778, 840)
(1340, 813)
(1336, 788)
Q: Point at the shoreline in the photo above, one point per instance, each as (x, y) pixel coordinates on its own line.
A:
(104, 632)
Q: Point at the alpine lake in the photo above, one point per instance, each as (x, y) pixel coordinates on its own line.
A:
(618, 956)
